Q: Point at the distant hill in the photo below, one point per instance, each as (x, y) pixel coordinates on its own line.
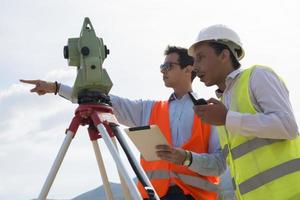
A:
(99, 193)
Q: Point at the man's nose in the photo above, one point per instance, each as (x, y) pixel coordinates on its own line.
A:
(163, 71)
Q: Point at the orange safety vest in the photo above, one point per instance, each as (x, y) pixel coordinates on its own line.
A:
(162, 173)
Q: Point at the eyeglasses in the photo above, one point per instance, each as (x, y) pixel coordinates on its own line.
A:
(167, 66)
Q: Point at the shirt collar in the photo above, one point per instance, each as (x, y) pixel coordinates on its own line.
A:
(230, 77)
(173, 97)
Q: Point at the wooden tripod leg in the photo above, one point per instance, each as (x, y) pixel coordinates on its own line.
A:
(123, 183)
(55, 167)
(102, 170)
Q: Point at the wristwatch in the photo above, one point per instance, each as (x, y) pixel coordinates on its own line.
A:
(188, 159)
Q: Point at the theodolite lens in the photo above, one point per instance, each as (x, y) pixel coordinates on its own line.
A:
(66, 52)
(85, 51)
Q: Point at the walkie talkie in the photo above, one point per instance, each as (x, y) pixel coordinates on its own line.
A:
(197, 101)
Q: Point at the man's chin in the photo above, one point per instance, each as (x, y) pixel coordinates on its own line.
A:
(167, 84)
(207, 83)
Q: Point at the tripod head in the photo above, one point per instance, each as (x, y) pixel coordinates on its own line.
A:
(88, 53)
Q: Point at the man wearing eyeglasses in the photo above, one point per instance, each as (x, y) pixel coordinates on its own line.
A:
(190, 166)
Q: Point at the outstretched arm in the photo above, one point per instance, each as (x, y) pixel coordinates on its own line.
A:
(128, 112)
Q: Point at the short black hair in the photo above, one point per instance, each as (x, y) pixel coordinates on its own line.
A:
(184, 58)
(219, 47)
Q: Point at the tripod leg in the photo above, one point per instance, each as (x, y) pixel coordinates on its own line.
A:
(123, 184)
(101, 167)
(58, 160)
(134, 191)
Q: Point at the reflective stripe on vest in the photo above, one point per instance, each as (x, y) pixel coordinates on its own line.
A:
(248, 146)
(269, 175)
(251, 145)
(190, 180)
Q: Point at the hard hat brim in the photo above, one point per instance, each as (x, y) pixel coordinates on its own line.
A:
(191, 49)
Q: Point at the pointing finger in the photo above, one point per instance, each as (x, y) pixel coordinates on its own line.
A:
(34, 82)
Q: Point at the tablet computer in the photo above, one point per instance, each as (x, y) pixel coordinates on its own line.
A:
(145, 139)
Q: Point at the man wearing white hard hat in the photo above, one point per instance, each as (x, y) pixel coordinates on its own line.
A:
(256, 125)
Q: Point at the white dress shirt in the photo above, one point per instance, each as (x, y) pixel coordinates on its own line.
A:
(270, 97)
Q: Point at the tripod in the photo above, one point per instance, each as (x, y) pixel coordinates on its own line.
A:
(102, 124)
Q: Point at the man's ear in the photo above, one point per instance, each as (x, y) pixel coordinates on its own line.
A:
(225, 55)
(189, 69)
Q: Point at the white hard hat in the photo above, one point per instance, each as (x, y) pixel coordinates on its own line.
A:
(221, 34)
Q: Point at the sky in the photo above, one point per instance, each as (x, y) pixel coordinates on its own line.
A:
(32, 36)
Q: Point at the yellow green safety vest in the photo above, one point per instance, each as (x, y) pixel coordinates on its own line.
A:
(261, 168)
